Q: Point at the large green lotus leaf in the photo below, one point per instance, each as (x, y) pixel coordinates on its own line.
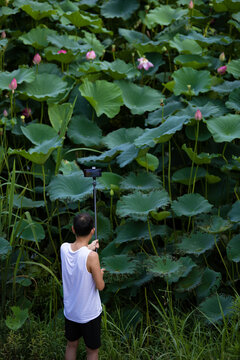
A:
(110, 180)
(199, 80)
(5, 248)
(84, 131)
(17, 319)
(204, 40)
(21, 75)
(139, 205)
(226, 5)
(164, 15)
(211, 281)
(224, 128)
(121, 136)
(226, 87)
(191, 205)
(128, 154)
(163, 132)
(196, 244)
(64, 95)
(37, 37)
(5, 10)
(67, 6)
(93, 43)
(141, 181)
(105, 97)
(60, 115)
(24, 202)
(120, 264)
(233, 249)
(215, 225)
(106, 156)
(191, 281)
(233, 100)
(186, 266)
(189, 60)
(217, 306)
(132, 230)
(83, 18)
(44, 87)
(67, 167)
(233, 67)
(51, 54)
(182, 176)
(103, 227)
(208, 109)
(199, 159)
(234, 213)
(170, 107)
(148, 161)
(38, 133)
(30, 231)
(119, 69)
(73, 187)
(187, 46)
(163, 265)
(35, 9)
(64, 41)
(235, 23)
(119, 8)
(139, 99)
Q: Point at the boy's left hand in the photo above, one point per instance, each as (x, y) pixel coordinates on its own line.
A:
(94, 245)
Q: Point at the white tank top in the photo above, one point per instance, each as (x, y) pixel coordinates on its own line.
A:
(81, 298)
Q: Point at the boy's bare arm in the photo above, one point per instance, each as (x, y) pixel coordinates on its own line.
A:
(93, 266)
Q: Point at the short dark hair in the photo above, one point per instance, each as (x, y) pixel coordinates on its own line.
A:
(83, 224)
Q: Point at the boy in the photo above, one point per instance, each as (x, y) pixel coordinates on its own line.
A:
(82, 279)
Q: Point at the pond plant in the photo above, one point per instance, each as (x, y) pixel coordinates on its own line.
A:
(148, 91)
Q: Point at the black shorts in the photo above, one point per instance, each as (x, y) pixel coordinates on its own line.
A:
(90, 331)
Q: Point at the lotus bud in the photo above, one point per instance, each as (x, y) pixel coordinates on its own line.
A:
(161, 103)
(198, 115)
(191, 5)
(23, 118)
(62, 51)
(13, 85)
(3, 35)
(221, 70)
(90, 55)
(37, 59)
(113, 48)
(27, 112)
(5, 113)
(222, 57)
(111, 192)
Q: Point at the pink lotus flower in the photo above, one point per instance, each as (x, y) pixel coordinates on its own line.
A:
(27, 112)
(37, 59)
(13, 84)
(191, 5)
(90, 55)
(222, 57)
(5, 113)
(62, 51)
(3, 35)
(198, 115)
(221, 70)
(144, 63)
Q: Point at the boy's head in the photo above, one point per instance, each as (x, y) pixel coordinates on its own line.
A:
(82, 224)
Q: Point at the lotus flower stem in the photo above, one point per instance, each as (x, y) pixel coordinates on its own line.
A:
(41, 119)
(150, 235)
(194, 179)
(195, 152)
(220, 254)
(169, 169)
(223, 152)
(163, 175)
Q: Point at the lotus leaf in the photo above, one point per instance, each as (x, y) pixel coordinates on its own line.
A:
(191, 281)
(199, 159)
(83, 18)
(5, 248)
(6, 11)
(233, 101)
(182, 176)
(140, 181)
(84, 131)
(105, 97)
(106, 156)
(233, 67)
(93, 43)
(172, 105)
(121, 136)
(120, 264)
(129, 153)
(233, 249)
(44, 87)
(212, 179)
(139, 205)
(60, 115)
(24, 202)
(36, 10)
(119, 8)
(139, 98)
(187, 46)
(215, 307)
(216, 224)
(187, 264)
(164, 15)
(190, 205)
(234, 213)
(159, 216)
(163, 265)
(210, 283)
(224, 128)
(68, 167)
(226, 87)
(17, 319)
(118, 69)
(189, 60)
(73, 187)
(207, 40)
(148, 161)
(189, 81)
(196, 244)
(64, 41)
(103, 227)
(39, 133)
(110, 180)
(21, 75)
(51, 54)
(203, 134)
(225, 5)
(30, 230)
(37, 37)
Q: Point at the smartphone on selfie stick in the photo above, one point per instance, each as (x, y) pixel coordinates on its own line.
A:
(94, 173)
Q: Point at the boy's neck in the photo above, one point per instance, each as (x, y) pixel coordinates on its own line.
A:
(81, 241)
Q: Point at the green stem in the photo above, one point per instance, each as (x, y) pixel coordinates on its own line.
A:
(223, 152)
(41, 119)
(220, 254)
(169, 169)
(193, 160)
(150, 235)
(163, 173)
